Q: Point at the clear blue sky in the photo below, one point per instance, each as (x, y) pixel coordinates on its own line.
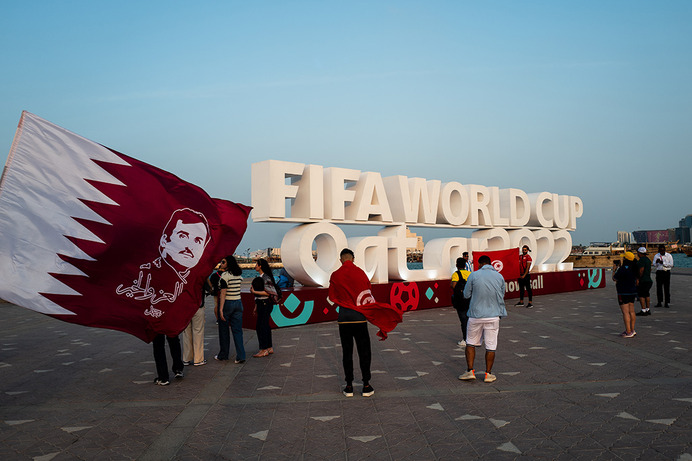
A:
(588, 98)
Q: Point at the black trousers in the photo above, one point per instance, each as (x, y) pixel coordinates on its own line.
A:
(262, 327)
(663, 286)
(160, 355)
(464, 320)
(462, 308)
(358, 332)
(525, 282)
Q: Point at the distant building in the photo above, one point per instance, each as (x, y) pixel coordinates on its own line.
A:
(257, 254)
(419, 241)
(682, 232)
(625, 237)
(654, 236)
(274, 253)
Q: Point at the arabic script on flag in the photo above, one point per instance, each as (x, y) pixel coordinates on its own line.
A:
(94, 237)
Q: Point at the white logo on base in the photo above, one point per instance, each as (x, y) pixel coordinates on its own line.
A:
(365, 297)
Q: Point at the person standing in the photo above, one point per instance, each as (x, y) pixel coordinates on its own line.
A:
(264, 289)
(486, 288)
(230, 313)
(349, 290)
(663, 262)
(285, 282)
(159, 344)
(645, 282)
(469, 263)
(193, 338)
(460, 304)
(353, 326)
(625, 277)
(524, 280)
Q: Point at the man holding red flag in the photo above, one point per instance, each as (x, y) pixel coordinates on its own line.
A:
(349, 289)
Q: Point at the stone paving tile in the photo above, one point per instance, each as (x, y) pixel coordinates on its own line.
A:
(328, 445)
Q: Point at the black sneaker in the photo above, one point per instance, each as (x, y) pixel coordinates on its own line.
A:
(179, 374)
(666, 305)
(348, 391)
(368, 390)
(529, 306)
(161, 382)
(187, 363)
(642, 313)
(520, 303)
(658, 305)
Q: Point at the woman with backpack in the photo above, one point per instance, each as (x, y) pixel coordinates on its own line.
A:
(266, 295)
(230, 314)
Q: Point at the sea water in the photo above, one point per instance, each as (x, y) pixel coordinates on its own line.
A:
(680, 259)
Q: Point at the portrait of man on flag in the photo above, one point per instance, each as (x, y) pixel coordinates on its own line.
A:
(182, 244)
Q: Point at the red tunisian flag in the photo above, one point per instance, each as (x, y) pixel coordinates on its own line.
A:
(506, 262)
(349, 287)
(94, 237)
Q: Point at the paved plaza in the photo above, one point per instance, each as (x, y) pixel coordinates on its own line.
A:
(568, 387)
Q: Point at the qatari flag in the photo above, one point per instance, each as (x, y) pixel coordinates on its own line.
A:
(94, 237)
(506, 262)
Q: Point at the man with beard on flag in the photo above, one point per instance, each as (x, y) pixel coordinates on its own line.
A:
(349, 289)
(94, 237)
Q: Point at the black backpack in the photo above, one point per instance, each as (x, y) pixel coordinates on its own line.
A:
(458, 292)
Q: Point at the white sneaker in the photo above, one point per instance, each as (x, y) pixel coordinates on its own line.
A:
(461, 343)
(489, 378)
(468, 376)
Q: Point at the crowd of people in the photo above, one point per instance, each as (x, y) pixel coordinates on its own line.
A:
(224, 285)
(477, 296)
(632, 278)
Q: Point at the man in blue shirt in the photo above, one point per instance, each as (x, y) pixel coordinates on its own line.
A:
(486, 288)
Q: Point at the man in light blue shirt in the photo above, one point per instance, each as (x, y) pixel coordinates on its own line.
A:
(486, 288)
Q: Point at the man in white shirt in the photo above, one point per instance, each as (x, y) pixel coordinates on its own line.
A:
(663, 262)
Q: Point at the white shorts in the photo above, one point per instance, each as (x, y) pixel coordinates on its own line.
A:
(485, 330)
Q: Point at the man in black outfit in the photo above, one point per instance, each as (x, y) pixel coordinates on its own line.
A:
(160, 358)
(352, 324)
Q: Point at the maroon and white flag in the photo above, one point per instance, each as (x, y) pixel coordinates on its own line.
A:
(94, 237)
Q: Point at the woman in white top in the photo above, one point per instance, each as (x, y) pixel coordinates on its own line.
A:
(231, 314)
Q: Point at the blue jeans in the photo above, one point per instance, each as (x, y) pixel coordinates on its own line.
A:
(233, 313)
